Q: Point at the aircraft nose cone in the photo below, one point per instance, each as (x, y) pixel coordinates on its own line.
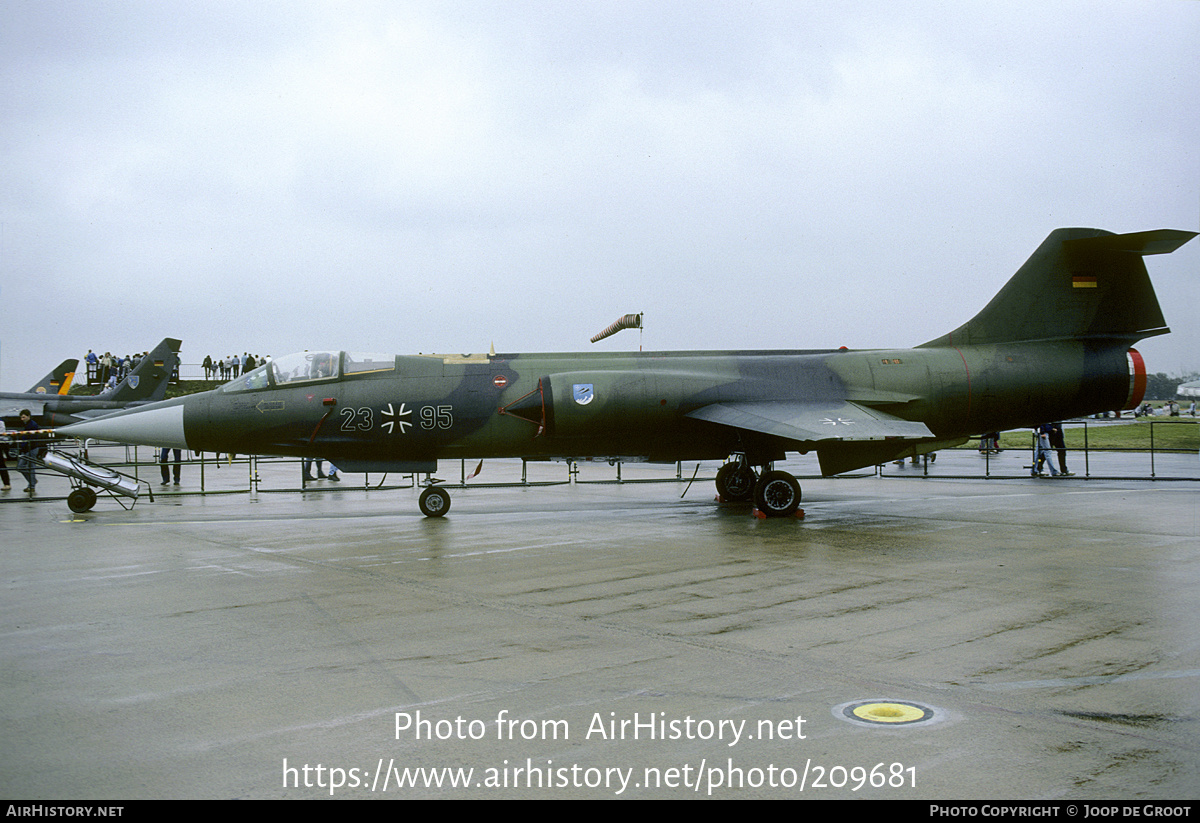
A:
(157, 425)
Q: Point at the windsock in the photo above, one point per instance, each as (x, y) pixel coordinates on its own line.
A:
(629, 321)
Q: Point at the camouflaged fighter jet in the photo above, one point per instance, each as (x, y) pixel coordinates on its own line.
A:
(147, 383)
(56, 382)
(1053, 344)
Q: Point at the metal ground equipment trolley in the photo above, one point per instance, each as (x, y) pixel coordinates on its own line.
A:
(85, 475)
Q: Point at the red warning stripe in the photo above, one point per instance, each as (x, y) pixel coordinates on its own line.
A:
(1137, 379)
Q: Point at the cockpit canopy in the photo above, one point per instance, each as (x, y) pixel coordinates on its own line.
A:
(308, 367)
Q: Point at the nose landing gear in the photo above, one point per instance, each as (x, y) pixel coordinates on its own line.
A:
(434, 501)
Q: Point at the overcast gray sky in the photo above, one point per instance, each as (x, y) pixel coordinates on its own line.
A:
(439, 176)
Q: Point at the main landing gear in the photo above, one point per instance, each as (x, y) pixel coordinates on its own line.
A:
(775, 493)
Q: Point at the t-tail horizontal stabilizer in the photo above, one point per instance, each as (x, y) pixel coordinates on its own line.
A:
(1079, 284)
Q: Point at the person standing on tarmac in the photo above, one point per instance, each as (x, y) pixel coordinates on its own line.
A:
(29, 452)
(165, 465)
(4, 458)
(1042, 452)
(1060, 445)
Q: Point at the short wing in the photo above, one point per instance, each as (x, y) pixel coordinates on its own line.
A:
(812, 421)
(847, 436)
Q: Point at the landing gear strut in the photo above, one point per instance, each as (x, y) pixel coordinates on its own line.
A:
(775, 493)
(736, 480)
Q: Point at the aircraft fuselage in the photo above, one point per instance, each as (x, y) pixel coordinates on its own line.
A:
(636, 406)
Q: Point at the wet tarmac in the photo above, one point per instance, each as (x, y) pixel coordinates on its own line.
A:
(1000, 639)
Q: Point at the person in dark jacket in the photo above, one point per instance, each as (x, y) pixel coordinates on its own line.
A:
(1060, 445)
(29, 451)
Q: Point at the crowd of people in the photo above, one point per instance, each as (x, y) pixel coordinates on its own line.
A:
(108, 369)
(230, 367)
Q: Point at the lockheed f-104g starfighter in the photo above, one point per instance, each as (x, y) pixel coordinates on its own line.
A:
(1054, 343)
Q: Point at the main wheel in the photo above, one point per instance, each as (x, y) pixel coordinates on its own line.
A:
(777, 494)
(81, 500)
(434, 502)
(735, 481)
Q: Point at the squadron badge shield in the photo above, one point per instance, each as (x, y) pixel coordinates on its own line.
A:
(583, 394)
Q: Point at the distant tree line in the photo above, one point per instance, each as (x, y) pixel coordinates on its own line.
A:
(1161, 386)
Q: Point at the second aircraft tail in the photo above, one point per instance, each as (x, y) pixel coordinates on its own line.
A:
(57, 381)
(148, 381)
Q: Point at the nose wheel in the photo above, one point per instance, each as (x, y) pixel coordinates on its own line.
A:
(434, 502)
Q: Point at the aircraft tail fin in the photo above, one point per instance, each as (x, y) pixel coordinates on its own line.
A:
(57, 381)
(148, 380)
(1080, 283)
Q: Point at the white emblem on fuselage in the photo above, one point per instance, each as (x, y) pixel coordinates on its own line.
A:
(395, 418)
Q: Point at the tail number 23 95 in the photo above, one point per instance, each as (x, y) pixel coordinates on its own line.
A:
(397, 420)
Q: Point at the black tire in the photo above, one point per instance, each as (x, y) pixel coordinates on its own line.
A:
(777, 494)
(434, 502)
(81, 500)
(736, 481)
